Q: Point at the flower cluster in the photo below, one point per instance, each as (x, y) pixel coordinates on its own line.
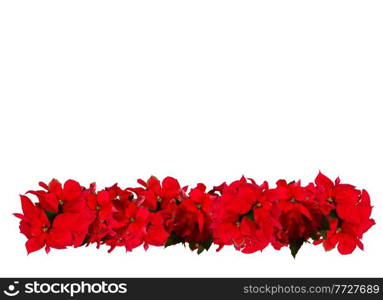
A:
(243, 213)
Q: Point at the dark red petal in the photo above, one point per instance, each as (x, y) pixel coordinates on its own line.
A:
(17, 215)
(360, 245)
(305, 211)
(43, 185)
(201, 222)
(142, 182)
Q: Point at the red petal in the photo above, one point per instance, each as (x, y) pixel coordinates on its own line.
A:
(29, 209)
(146, 246)
(170, 187)
(59, 239)
(78, 238)
(360, 245)
(150, 200)
(55, 187)
(72, 190)
(347, 244)
(201, 222)
(154, 184)
(103, 197)
(43, 185)
(322, 180)
(17, 215)
(348, 212)
(305, 212)
(330, 242)
(66, 221)
(142, 182)
(34, 244)
(142, 215)
(49, 202)
(92, 201)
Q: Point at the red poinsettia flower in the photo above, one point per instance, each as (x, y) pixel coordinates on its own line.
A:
(156, 233)
(341, 235)
(299, 213)
(35, 225)
(245, 235)
(101, 203)
(155, 194)
(347, 235)
(67, 197)
(132, 234)
(343, 197)
(120, 197)
(192, 219)
(243, 214)
(197, 206)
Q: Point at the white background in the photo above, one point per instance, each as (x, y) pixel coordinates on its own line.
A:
(110, 91)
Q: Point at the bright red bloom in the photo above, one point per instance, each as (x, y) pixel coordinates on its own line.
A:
(56, 196)
(243, 214)
(156, 233)
(345, 196)
(343, 236)
(347, 235)
(198, 206)
(139, 227)
(193, 218)
(155, 194)
(65, 230)
(300, 214)
(101, 203)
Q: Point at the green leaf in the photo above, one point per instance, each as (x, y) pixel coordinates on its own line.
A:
(333, 214)
(315, 236)
(200, 249)
(324, 227)
(323, 233)
(173, 239)
(295, 245)
(192, 245)
(208, 243)
(249, 215)
(205, 245)
(51, 215)
(85, 241)
(325, 223)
